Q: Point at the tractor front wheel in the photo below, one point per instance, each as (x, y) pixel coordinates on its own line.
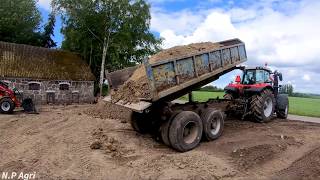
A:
(282, 106)
(263, 106)
(6, 106)
(228, 96)
(283, 113)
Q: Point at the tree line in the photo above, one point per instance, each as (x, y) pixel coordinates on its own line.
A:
(108, 34)
(20, 23)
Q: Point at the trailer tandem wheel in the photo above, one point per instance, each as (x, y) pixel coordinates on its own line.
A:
(140, 122)
(185, 131)
(164, 128)
(213, 123)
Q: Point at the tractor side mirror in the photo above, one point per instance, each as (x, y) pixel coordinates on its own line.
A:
(280, 76)
(238, 79)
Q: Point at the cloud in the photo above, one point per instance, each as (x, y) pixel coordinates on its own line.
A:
(283, 33)
(182, 22)
(45, 4)
(306, 77)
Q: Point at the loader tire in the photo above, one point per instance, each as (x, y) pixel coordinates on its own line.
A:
(6, 106)
(213, 122)
(140, 122)
(185, 131)
(263, 106)
(28, 105)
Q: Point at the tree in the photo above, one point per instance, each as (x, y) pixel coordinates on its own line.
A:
(47, 41)
(110, 34)
(287, 89)
(19, 22)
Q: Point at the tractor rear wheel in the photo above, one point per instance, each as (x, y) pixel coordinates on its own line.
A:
(185, 131)
(263, 106)
(6, 106)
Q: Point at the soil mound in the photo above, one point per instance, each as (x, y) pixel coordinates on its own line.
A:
(307, 167)
(179, 51)
(250, 157)
(137, 87)
(109, 144)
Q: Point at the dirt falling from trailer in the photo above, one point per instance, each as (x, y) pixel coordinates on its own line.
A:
(105, 110)
(137, 87)
(134, 88)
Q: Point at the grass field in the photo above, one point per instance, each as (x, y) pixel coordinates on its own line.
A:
(297, 105)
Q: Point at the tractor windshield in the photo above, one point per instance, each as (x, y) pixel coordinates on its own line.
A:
(254, 76)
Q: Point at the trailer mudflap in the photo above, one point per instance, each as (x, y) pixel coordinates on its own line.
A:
(140, 106)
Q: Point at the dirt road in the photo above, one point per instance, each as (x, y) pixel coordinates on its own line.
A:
(56, 145)
(304, 118)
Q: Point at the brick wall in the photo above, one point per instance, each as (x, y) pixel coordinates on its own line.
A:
(54, 92)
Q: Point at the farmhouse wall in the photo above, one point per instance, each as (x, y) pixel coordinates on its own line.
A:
(50, 91)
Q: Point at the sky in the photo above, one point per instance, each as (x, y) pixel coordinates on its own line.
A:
(282, 33)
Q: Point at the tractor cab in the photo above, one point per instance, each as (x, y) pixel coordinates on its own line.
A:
(256, 76)
(253, 80)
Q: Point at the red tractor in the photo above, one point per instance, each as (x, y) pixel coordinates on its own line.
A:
(9, 100)
(256, 94)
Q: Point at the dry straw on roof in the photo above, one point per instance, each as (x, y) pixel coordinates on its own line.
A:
(23, 61)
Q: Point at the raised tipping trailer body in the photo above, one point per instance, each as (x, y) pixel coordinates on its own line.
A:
(181, 126)
(172, 78)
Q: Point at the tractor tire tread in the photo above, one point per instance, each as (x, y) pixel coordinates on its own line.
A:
(257, 103)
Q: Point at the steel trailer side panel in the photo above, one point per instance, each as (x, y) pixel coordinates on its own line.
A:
(171, 76)
(164, 76)
(202, 64)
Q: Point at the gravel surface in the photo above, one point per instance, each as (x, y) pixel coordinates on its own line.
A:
(78, 142)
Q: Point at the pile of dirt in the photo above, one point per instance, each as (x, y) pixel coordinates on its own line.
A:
(189, 165)
(105, 110)
(306, 167)
(186, 50)
(108, 144)
(250, 157)
(137, 86)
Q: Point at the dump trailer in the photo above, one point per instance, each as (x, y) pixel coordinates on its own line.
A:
(181, 126)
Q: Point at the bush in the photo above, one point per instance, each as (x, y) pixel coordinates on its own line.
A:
(211, 89)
